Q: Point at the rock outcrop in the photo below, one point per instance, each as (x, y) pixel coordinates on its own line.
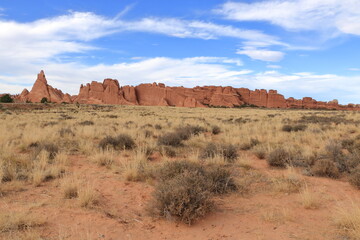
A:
(110, 92)
(41, 90)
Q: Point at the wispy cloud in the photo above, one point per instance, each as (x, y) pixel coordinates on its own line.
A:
(261, 54)
(331, 16)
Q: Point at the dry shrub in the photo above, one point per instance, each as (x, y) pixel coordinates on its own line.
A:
(308, 199)
(229, 152)
(347, 221)
(170, 170)
(294, 128)
(104, 158)
(120, 142)
(186, 132)
(221, 180)
(86, 123)
(354, 178)
(215, 130)
(170, 139)
(279, 158)
(186, 198)
(169, 152)
(325, 168)
(291, 182)
(51, 148)
(18, 221)
(66, 132)
(70, 188)
(260, 152)
(88, 197)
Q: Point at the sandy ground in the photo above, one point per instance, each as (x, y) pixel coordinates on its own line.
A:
(121, 214)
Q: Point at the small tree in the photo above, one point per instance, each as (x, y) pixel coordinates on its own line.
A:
(6, 99)
(44, 100)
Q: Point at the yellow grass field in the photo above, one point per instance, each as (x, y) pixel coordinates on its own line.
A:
(86, 172)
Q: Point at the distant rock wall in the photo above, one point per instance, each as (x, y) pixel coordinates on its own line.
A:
(110, 92)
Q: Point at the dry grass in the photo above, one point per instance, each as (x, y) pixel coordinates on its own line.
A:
(347, 220)
(88, 197)
(18, 221)
(308, 199)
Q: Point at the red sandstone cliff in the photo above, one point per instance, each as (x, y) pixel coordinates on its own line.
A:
(41, 89)
(110, 92)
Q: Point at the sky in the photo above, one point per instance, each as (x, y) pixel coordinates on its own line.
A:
(298, 47)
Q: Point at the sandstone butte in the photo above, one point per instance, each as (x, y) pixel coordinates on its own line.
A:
(110, 92)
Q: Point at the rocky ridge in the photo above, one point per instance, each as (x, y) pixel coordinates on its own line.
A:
(110, 92)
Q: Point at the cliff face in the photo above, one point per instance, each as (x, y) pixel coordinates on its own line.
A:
(110, 92)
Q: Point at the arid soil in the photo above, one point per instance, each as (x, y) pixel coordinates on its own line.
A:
(272, 203)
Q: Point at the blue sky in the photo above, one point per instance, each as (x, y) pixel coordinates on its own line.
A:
(299, 47)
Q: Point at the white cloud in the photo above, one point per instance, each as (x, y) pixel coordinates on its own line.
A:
(296, 15)
(354, 69)
(261, 54)
(274, 66)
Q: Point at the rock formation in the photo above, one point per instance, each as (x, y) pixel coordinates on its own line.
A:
(41, 90)
(110, 92)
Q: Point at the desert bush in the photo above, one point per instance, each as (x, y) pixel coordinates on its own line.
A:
(259, 152)
(294, 128)
(44, 100)
(354, 178)
(170, 139)
(209, 151)
(86, 123)
(6, 99)
(279, 158)
(158, 126)
(215, 130)
(185, 132)
(70, 188)
(169, 151)
(18, 221)
(88, 197)
(66, 132)
(120, 142)
(51, 148)
(221, 180)
(325, 168)
(247, 146)
(148, 133)
(185, 197)
(170, 170)
(229, 152)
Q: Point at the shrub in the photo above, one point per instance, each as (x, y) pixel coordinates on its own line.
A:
(148, 133)
(170, 139)
(185, 132)
(354, 178)
(185, 197)
(279, 158)
(86, 123)
(158, 126)
(171, 169)
(260, 153)
(210, 150)
(6, 99)
(215, 130)
(325, 168)
(51, 148)
(247, 146)
(295, 128)
(121, 142)
(170, 152)
(66, 132)
(221, 180)
(44, 100)
(229, 152)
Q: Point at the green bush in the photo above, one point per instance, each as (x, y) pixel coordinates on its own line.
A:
(44, 100)
(6, 99)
